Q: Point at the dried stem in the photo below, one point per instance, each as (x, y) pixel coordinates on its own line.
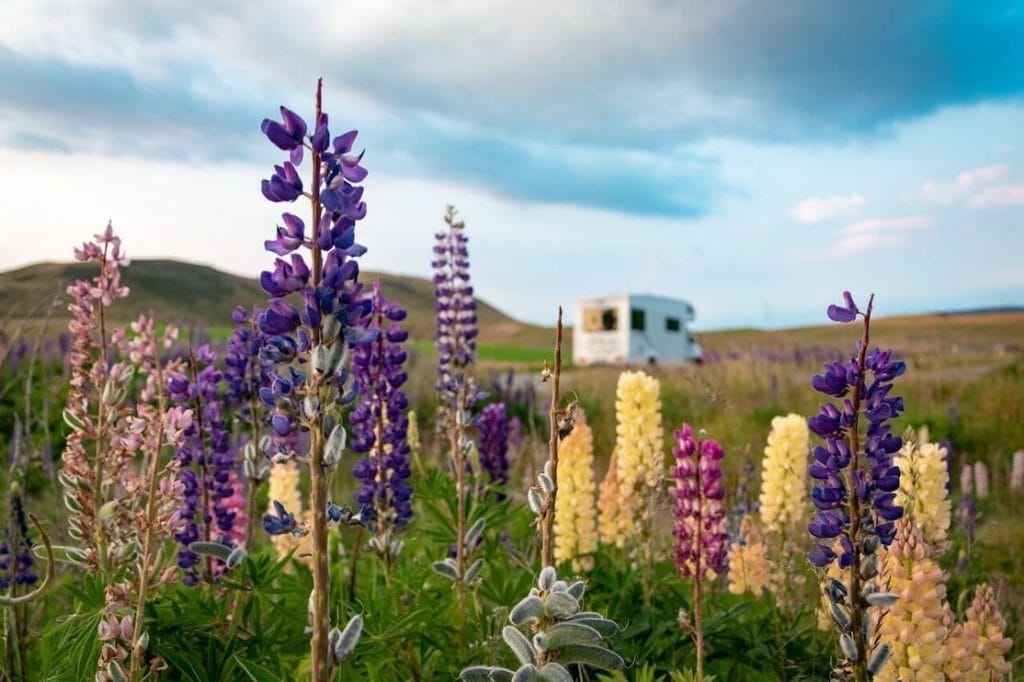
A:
(547, 529)
(135, 672)
(860, 670)
(319, 475)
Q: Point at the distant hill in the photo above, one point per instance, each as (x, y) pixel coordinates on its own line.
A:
(186, 293)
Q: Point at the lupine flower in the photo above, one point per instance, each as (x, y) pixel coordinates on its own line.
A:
(575, 515)
(315, 316)
(966, 480)
(700, 537)
(1017, 471)
(455, 322)
(874, 485)
(750, 569)
(856, 483)
(608, 506)
(913, 626)
(493, 427)
(379, 422)
(784, 473)
(981, 480)
(16, 559)
(206, 464)
(639, 457)
(922, 492)
(977, 647)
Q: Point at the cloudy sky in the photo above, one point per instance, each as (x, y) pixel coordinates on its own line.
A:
(755, 158)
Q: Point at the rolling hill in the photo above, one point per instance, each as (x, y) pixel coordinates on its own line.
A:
(191, 294)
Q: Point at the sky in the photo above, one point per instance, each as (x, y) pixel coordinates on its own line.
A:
(755, 159)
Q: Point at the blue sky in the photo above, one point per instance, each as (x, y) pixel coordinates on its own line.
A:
(754, 158)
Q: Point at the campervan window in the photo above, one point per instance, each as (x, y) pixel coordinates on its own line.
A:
(637, 320)
(600, 319)
(672, 324)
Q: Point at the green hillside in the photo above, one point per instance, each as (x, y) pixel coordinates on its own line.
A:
(190, 294)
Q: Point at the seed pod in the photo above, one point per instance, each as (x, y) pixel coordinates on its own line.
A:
(869, 567)
(474, 532)
(840, 616)
(143, 642)
(560, 605)
(578, 588)
(311, 406)
(879, 657)
(528, 673)
(519, 645)
(72, 420)
(555, 672)
(595, 656)
(560, 586)
(882, 598)
(445, 569)
(836, 591)
(547, 578)
(349, 638)
(214, 549)
(335, 446)
(849, 648)
(871, 544)
(546, 484)
(116, 672)
(529, 609)
(483, 673)
(474, 570)
(237, 556)
(535, 500)
(561, 634)
(606, 627)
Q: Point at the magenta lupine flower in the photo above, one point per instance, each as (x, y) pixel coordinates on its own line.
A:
(380, 421)
(701, 541)
(494, 434)
(874, 479)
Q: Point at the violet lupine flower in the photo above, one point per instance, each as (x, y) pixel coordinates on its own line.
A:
(330, 309)
(205, 463)
(701, 542)
(837, 468)
(494, 435)
(379, 421)
(456, 320)
(16, 551)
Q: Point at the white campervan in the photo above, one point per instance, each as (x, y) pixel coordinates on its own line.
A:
(633, 330)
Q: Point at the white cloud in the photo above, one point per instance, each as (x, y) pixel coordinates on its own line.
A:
(865, 235)
(999, 196)
(964, 183)
(817, 209)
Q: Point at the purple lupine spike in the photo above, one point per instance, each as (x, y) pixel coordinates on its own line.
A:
(875, 478)
(206, 463)
(16, 551)
(701, 541)
(380, 422)
(455, 321)
(494, 436)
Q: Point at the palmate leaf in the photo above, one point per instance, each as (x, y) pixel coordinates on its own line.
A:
(256, 672)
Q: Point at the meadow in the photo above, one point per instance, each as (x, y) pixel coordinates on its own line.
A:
(342, 483)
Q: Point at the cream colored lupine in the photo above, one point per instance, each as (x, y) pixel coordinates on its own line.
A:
(575, 514)
(784, 473)
(922, 492)
(966, 479)
(283, 486)
(639, 454)
(913, 626)
(1017, 471)
(750, 569)
(608, 506)
(977, 647)
(981, 480)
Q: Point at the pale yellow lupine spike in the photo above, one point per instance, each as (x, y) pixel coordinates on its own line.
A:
(914, 627)
(575, 513)
(923, 490)
(784, 473)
